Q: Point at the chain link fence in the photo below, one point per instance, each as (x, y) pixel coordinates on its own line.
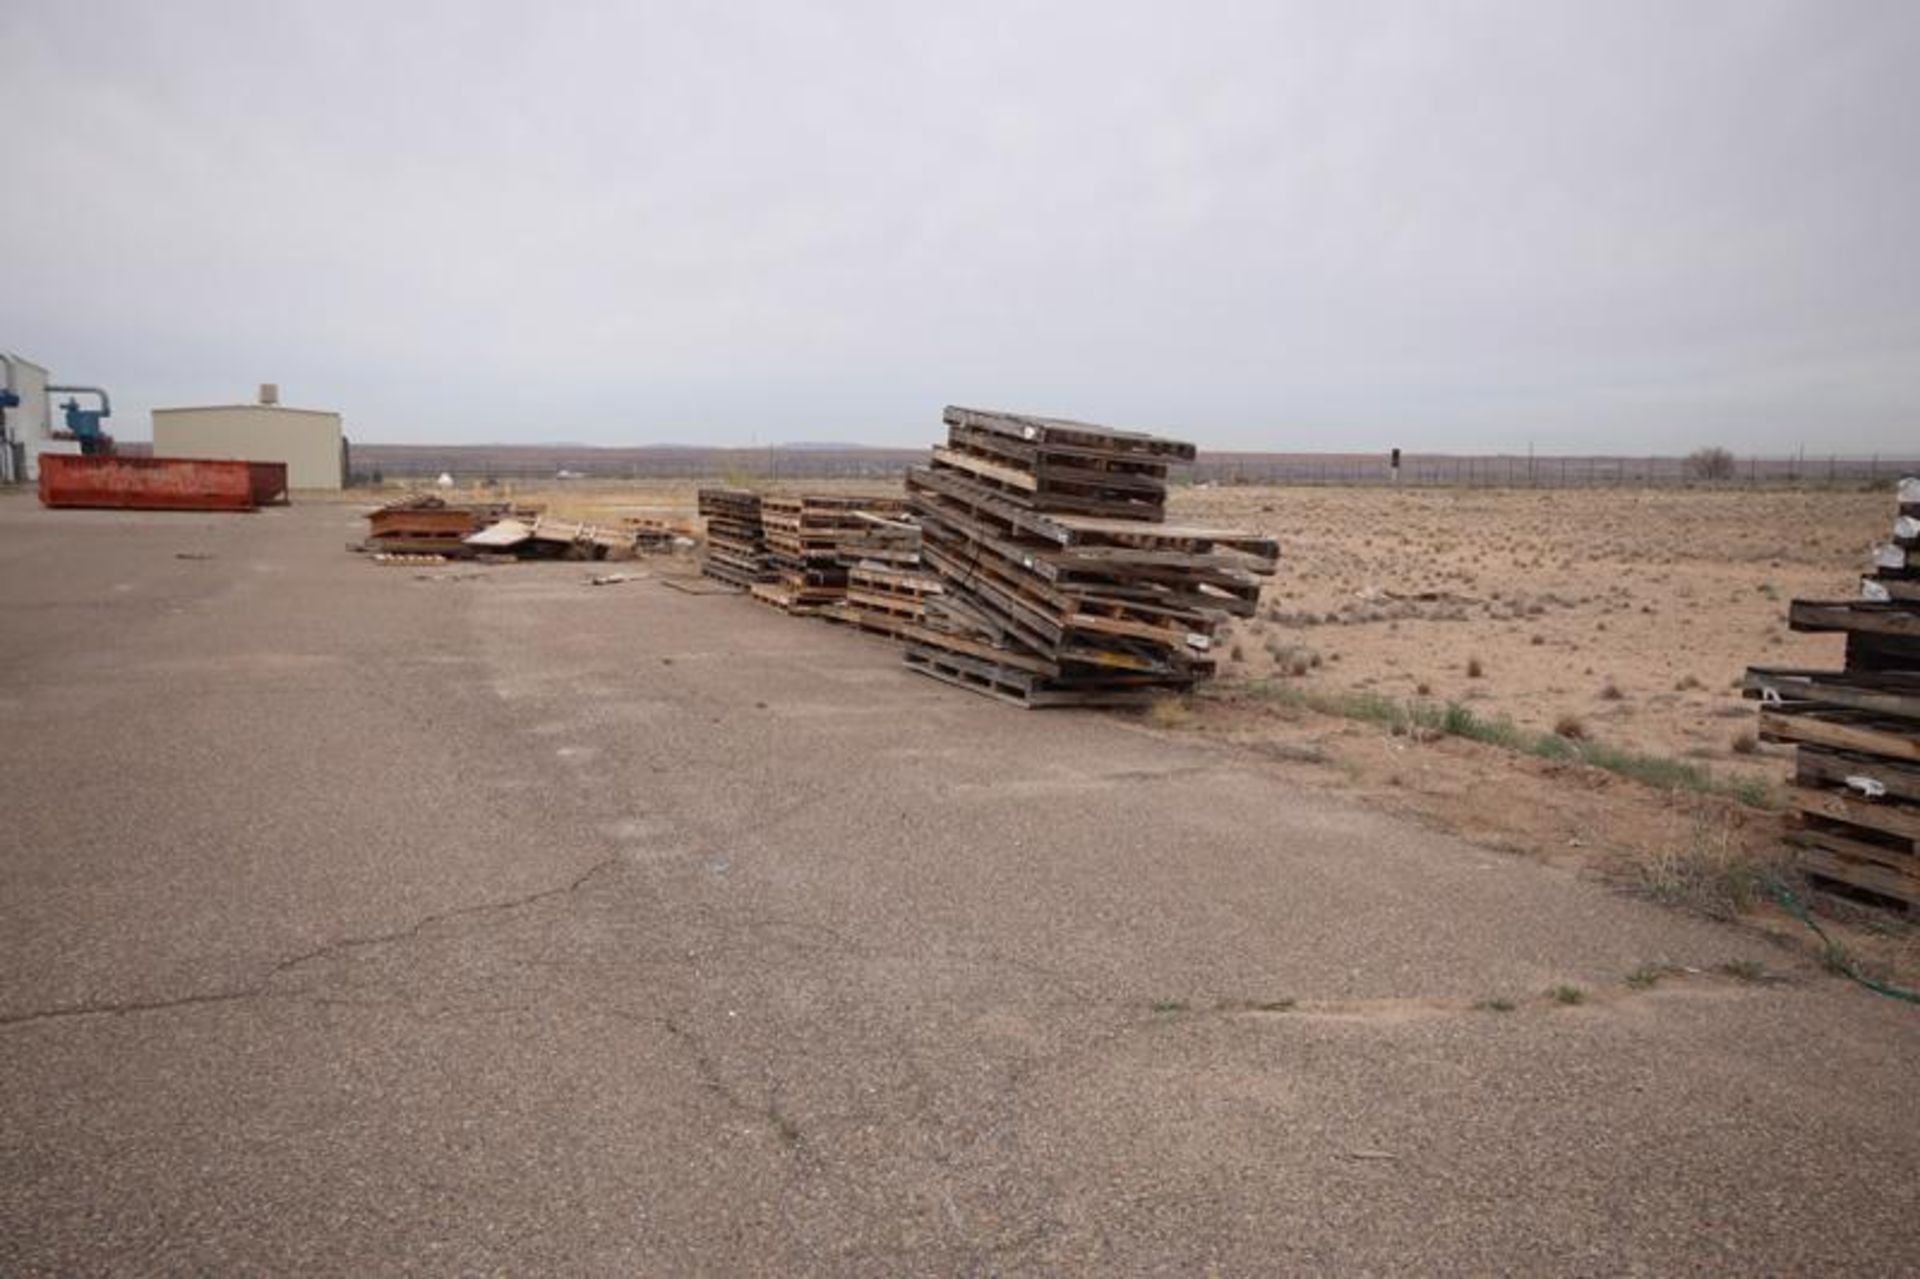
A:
(378, 464)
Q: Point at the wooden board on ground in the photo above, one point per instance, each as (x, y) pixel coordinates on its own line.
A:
(703, 586)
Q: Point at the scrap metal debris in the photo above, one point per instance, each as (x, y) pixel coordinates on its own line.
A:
(427, 524)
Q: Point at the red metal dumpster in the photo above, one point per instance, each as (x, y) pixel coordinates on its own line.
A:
(159, 483)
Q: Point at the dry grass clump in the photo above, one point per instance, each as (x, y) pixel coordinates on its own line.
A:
(1570, 726)
(1170, 712)
(1649, 975)
(1714, 873)
(1610, 692)
(1745, 742)
(1292, 659)
(1476, 669)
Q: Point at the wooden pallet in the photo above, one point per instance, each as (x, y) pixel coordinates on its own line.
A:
(721, 570)
(882, 624)
(780, 596)
(1012, 685)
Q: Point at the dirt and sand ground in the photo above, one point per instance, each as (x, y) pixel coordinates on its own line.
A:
(1627, 616)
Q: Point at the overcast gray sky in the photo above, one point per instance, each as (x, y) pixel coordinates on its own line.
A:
(1610, 226)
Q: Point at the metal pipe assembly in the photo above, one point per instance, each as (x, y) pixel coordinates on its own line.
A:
(106, 405)
(84, 424)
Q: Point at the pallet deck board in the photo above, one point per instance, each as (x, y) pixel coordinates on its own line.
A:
(1821, 731)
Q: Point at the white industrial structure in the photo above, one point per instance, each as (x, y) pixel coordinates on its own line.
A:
(309, 441)
(26, 421)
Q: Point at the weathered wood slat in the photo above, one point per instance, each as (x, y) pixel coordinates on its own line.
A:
(1007, 475)
(1842, 736)
(1818, 765)
(1835, 690)
(1820, 858)
(1065, 431)
(1891, 588)
(1854, 616)
(1893, 818)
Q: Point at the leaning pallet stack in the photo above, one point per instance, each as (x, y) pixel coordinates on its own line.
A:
(1061, 582)
(736, 541)
(804, 535)
(1856, 732)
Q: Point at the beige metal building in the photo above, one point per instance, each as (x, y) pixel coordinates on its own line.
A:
(26, 429)
(309, 441)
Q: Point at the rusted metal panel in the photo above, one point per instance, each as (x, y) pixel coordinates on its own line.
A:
(155, 483)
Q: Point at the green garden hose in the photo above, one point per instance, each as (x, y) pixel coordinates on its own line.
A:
(1837, 958)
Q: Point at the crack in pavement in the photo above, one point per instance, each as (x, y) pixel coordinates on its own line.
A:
(710, 1077)
(263, 987)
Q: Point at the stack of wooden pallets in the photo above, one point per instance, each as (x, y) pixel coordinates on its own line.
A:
(736, 540)
(886, 588)
(1856, 732)
(1061, 582)
(651, 535)
(886, 536)
(805, 533)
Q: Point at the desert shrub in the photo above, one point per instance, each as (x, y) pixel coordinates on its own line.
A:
(1711, 463)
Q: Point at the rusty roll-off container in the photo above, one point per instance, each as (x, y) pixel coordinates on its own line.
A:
(160, 483)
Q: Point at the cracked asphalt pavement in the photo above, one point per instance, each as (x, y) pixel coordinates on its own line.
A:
(362, 919)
